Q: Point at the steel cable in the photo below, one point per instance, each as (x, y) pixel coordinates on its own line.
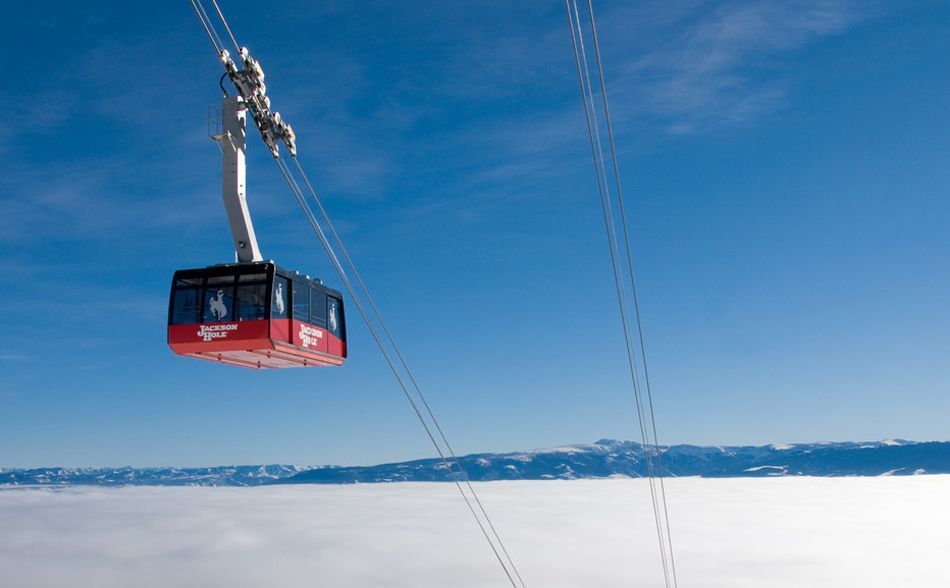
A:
(632, 276)
(650, 447)
(318, 230)
(379, 317)
(603, 191)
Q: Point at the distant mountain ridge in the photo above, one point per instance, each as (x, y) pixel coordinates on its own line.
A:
(604, 459)
(255, 475)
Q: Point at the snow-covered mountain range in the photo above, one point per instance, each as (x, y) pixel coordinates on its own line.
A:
(603, 459)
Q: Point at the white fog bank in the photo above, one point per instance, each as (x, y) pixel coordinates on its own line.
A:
(882, 532)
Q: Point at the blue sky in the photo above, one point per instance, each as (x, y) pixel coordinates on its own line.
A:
(786, 173)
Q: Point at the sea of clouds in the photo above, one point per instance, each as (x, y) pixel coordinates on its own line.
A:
(881, 532)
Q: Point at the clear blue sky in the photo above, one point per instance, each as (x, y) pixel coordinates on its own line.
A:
(787, 167)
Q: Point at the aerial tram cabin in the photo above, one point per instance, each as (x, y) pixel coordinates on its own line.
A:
(252, 313)
(256, 315)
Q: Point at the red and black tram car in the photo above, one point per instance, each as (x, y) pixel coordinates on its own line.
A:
(256, 315)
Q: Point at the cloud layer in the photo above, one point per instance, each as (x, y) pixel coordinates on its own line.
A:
(840, 532)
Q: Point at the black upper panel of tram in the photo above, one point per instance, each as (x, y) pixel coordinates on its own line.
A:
(262, 291)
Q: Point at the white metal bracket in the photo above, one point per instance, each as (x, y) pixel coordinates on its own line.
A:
(232, 139)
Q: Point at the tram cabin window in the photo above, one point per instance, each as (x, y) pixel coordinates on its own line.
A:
(185, 305)
(334, 316)
(251, 302)
(318, 305)
(301, 301)
(218, 303)
(279, 307)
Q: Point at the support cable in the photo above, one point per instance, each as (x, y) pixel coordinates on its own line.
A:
(651, 450)
(632, 276)
(321, 235)
(603, 190)
(405, 366)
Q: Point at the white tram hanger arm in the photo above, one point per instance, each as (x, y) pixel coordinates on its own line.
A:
(249, 83)
(233, 142)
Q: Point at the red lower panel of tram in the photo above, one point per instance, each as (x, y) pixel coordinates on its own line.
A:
(259, 344)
